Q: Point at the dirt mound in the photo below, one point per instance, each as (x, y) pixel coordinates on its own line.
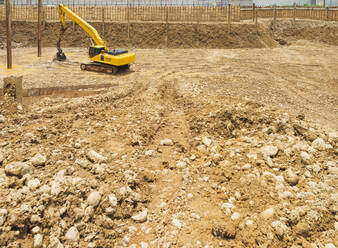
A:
(154, 166)
(149, 35)
(325, 32)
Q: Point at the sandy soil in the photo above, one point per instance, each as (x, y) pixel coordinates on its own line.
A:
(301, 78)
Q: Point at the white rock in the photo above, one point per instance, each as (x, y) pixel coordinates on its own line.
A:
(235, 216)
(38, 160)
(333, 170)
(141, 217)
(286, 194)
(246, 167)
(38, 239)
(72, 234)
(249, 222)
(149, 153)
(55, 243)
(17, 169)
(3, 216)
(94, 198)
(1, 158)
(206, 141)
(280, 228)
(269, 151)
(166, 142)
(336, 226)
(2, 119)
(227, 205)
(305, 157)
(144, 245)
(33, 184)
(330, 245)
(112, 200)
(35, 219)
(268, 213)
(55, 188)
(319, 144)
(177, 223)
(36, 230)
(83, 163)
(291, 177)
(95, 157)
(181, 164)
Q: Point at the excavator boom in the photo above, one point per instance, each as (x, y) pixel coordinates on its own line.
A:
(63, 10)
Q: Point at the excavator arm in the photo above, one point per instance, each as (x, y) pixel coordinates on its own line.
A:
(91, 31)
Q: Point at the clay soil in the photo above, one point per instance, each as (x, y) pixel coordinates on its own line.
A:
(193, 147)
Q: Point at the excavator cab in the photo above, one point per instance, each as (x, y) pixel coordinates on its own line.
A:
(95, 50)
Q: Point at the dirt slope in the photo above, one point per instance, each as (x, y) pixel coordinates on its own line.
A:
(148, 35)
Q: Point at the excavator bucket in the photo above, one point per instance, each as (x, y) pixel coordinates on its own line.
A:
(60, 55)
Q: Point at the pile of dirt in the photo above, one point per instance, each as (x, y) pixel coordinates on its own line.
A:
(319, 31)
(157, 166)
(149, 35)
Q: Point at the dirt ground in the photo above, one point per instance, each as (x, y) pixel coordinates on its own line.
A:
(191, 148)
(275, 76)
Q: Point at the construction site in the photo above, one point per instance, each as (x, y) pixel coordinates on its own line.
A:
(184, 126)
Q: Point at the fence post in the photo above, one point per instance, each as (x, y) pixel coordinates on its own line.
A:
(327, 14)
(9, 34)
(128, 21)
(294, 14)
(256, 19)
(167, 25)
(229, 18)
(274, 17)
(39, 27)
(253, 12)
(103, 22)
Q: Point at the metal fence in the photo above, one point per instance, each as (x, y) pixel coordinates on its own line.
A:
(139, 11)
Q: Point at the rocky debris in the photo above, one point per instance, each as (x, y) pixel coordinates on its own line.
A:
(3, 216)
(17, 169)
(94, 198)
(72, 234)
(319, 144)
(141, 217)
(177, 223)
(38, 241)
(291, 177)
(95, 157)
(237, 165)
(112, 200)
(38, 160)
(33, 184)
(269, 151)
(166, 142)
(206, 141)
(280, 228)
(224, 231)
(305, 157)
(268, 213)
(2, 119)
(1, 158)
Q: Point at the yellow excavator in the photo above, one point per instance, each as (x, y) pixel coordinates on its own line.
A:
(104, 60)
